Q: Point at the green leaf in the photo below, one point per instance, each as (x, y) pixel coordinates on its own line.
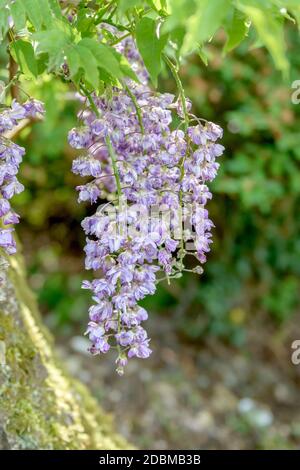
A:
(23, 54)
(89, 64)
(106, 78)
(42, 63)
(125, 66)
(39, 13)
(269, 27)
(203, 55)
(18, 14)
(180, 10)
(236, 30)
(294, 7)
(104, 55)
(73, 60)
(85, 22)
(49, 41)
(3, 18)
(124, 5)
(52, 42)
(55, 8)
(177, 38)
(150, 46)
(34, 13)
(205, 22)
(47, 13)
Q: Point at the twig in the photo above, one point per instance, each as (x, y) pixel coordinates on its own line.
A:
(12, 70)
(17, 129)
(136, 106)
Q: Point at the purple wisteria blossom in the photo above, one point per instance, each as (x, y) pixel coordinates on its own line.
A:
(139, 161)
(11, 156)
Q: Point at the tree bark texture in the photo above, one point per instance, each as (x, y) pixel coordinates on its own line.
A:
(41, 406)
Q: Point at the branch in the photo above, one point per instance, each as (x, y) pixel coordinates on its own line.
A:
(12, 71)
(21, 125)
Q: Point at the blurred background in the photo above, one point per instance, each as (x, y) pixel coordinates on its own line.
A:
(220, 375)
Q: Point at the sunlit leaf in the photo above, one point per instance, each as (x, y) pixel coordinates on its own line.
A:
(104, 56)
(18, 14)
(89, 65)
(236, 29)
(150, 46)
(269, 29)
(23, 53)
(52, 42)
(3, 18)
(205, 22)
(34, 12)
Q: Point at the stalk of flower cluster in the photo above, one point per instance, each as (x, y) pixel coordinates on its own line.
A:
(186, 125)
(131, 149)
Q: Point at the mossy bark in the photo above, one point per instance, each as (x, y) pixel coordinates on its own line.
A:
(41, 407)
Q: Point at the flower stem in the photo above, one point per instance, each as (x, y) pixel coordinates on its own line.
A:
(174, 71)
(107, 141)
(91, 101)
(120, 39)
(118, 319)
(114, 165)
(186, 125)
(137, 108)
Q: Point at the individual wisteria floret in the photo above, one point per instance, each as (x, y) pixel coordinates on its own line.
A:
(11, 156)
(156, 176)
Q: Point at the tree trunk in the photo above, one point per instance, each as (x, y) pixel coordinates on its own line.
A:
(41, 407)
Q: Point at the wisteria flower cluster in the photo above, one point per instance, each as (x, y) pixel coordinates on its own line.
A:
(11, 156)
(145, 156)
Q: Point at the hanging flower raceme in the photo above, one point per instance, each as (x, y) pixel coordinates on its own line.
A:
(11, 156)
(156, 175)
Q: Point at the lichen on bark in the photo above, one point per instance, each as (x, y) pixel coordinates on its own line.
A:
(41, 406)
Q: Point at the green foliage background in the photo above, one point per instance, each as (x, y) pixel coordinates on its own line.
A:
(254, 265)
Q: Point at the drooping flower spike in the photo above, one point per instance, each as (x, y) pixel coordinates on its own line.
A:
(11, 156)
(131, 149)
